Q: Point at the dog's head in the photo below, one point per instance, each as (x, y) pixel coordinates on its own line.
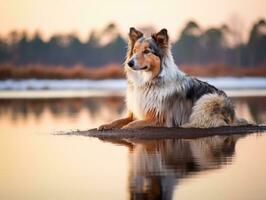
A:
(145, 54)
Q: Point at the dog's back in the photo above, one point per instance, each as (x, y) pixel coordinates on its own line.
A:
(185, 101)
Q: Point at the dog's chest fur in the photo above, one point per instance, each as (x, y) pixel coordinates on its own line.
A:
(144, 100)
(164, 102)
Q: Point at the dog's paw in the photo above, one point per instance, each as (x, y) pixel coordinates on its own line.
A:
(131, 126)
(127, 127)
(104, 127)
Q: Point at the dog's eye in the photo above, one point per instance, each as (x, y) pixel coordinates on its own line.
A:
(146, 51)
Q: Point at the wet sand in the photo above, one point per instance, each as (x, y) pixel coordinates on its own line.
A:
(151, 133)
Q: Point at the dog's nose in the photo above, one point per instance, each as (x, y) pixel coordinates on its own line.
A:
(131, 63)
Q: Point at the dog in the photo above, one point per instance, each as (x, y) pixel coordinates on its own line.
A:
(160, 94)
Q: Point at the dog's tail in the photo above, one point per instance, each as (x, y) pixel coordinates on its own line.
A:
(213, 110)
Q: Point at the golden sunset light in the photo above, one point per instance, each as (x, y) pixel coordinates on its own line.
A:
(81, 16)
(132, 99)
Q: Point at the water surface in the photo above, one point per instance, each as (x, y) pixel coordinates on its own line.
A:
(36, 164)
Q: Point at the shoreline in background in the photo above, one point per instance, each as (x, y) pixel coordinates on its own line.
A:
(33, 88)
(239, 83)
(62, 94)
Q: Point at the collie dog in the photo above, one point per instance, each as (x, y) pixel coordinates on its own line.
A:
(159, 94)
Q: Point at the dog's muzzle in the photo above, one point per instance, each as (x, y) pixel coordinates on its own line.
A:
(131, 63)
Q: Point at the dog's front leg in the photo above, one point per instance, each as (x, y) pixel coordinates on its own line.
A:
(140, 124)
(119, 123)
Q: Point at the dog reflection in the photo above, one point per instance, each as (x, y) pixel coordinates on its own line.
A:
(156, 166)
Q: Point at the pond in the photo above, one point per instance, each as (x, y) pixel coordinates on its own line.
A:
(37, 163)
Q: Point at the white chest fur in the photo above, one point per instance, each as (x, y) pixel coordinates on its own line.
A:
(143, 100)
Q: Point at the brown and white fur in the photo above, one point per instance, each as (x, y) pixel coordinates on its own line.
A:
(159, 94)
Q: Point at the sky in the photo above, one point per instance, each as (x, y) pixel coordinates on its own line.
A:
(81, 16)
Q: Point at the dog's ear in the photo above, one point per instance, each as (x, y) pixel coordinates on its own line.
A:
(134, 34)
(161, 38)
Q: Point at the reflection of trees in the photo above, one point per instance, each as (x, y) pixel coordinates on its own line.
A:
(37, 109)
(22, 110)
(251, 108)
(156, 166)
(58, 107)
(243, 109)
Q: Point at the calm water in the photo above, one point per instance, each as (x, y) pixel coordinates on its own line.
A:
(35, 164)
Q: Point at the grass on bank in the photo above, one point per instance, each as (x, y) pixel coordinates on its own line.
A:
(116, 71)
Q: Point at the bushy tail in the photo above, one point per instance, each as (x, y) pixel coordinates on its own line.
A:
(212, 110)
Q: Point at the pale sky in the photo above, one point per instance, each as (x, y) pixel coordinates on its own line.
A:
(80, 16)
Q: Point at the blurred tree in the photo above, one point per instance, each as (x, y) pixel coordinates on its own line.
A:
(36, 49)
(115, 50)
(92, 50)
(4, 51)
(22, 53)
(74, 50)
(194, 46)
(187, 47)
(213, 45)
(256, 46)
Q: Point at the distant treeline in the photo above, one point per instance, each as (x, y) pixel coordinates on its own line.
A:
(194, 46)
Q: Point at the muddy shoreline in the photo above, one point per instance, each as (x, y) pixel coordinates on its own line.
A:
(151, 133)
